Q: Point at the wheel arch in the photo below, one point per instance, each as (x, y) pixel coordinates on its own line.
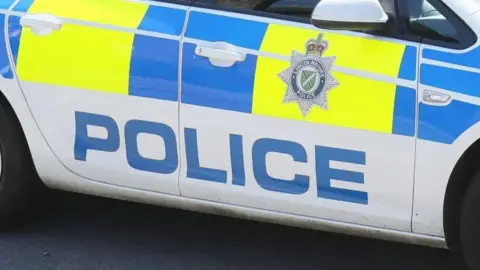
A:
(458, 183)
(5, 103)
(14, 102)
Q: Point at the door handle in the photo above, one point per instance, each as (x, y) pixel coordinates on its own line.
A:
(220, 54)
(435, 98)
(41, 24)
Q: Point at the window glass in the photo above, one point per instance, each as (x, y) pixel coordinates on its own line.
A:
(245, 4)
(297, 8)
(428, 22)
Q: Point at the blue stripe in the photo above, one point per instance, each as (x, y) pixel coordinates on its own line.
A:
(5, 4)
(239, 32)
(206, 85)
(154, 68)
(454, 80)
(15, 29)
(469, 59)
(408, 67)
(163, 20)
(404, 111)
(5, 67)
(446, 124)
(23, 5)
(14, 32)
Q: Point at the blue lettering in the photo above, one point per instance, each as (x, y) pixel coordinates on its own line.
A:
(194, 170)
(298, 185)
(323, 156)
(237, 160)
(83, 142)
(166, 166)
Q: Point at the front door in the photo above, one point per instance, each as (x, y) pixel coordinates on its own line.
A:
(101, 78)
(448, 109)
(259, 133)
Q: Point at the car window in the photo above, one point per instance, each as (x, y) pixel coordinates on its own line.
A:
(427, 21)
(299, 8)
(296, 8)
(244, 4)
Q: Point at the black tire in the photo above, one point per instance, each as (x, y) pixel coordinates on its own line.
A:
(470, 224)
(20, 186)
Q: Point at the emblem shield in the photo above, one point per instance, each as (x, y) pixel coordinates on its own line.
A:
(308, 78)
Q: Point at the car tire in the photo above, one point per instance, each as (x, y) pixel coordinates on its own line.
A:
(20, 185)
(470, 224)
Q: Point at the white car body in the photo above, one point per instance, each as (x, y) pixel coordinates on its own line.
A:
(401, 181)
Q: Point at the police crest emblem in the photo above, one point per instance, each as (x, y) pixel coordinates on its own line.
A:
(308, 78)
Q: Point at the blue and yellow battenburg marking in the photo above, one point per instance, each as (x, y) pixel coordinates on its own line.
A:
(102, 59)
(122, 62)
(6, 4)
(139, 65)
(444, 124)
(6, 70)
(253, 86)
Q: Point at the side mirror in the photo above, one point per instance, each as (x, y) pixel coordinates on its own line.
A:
(357, 15)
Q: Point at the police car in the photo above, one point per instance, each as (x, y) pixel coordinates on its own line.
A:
(353, 116)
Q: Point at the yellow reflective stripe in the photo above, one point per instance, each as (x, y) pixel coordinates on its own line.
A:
(113, 12)
(63, 58)
(366, 54)
(77, 56)
(358, 102)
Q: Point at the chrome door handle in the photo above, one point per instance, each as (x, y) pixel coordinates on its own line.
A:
(220, 54)
(41, 24)
(435, 98)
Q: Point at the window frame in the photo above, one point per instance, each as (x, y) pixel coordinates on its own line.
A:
(187, 3)
(393, 32)
(206, 5)
(464, 30)
(400, 29)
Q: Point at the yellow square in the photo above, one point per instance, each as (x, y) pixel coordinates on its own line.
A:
(356, 103)
(360, 53)
(77, 56)
(112, 12)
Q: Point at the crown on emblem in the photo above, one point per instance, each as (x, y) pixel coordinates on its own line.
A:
(317, 46)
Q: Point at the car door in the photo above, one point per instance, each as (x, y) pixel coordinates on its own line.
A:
(448, 110)
(101, 79)
(250, 141)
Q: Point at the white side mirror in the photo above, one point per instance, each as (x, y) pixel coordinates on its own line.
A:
(362, 15)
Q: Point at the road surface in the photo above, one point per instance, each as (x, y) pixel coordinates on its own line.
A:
(82, 232)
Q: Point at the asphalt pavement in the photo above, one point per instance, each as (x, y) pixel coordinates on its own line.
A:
(83, 232)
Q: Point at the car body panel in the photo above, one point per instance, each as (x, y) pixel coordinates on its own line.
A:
(375, 106)
(444, 132)
(464, 8)
(224, 141)
(115, 59)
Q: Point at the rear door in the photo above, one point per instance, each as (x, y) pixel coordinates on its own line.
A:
(348, 156)
(101, 79)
